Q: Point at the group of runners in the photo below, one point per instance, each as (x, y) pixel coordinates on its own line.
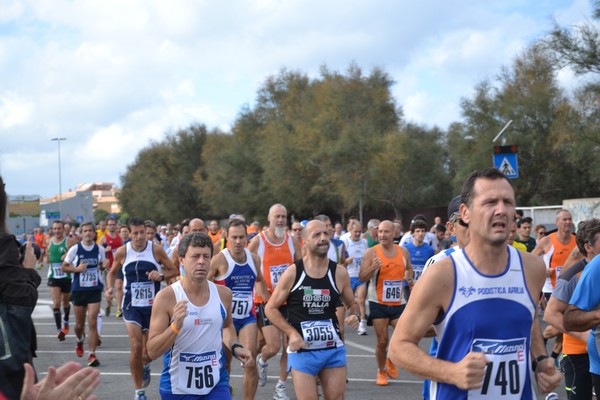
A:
(213, 296)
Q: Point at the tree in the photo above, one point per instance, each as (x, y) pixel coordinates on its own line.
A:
(577, 47)
(159, 185)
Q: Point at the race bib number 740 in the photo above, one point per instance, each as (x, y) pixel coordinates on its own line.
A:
(506, 370)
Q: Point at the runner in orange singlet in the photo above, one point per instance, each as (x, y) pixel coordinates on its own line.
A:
(277, 250)
(555, 249)
(385, 266)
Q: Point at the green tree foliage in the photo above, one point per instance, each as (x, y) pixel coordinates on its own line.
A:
(159, 185)
(543, 119)
(312, 144)
(577, 47)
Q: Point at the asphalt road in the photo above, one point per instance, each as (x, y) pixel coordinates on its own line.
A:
(116, 382)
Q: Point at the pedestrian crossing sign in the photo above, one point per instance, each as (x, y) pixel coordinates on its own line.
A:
(505, 159)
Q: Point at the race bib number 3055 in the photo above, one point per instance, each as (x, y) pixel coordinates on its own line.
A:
(506, 370)
(319, 334)
(198, 373)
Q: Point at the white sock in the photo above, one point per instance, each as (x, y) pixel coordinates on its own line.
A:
(99, 324)
(281, 383)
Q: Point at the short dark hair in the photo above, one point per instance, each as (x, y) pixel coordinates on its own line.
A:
(586, 233)
(519, 213)
(486, 173)
(524, 220)
(150, 224)
(236, 222)
(58, 221)
(135, 221)
(418, 224)
(111, 219)
(194, 239)
(440, 227)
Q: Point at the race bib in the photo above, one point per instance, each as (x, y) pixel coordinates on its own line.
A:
(417, 273)
(506, 370)
(276, 272)
(57, 271)
(89, 278)
(392, 291)
(142, 294)
(319, 334)
(198, 373)
(241, 304)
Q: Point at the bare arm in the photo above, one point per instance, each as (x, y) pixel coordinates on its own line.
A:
(342, 280)
(297, 249)
(218, 266)
(279, 296)
(409, 273)
(580, 320)
(540, 249)
(164, 311)
(260, 284)
(553, 314)
(111, 276)
(165, 261)
(368, 265)
(253, 246)
(574, 257)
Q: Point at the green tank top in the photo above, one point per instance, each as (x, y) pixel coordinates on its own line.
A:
(370, 241)
(55, 254)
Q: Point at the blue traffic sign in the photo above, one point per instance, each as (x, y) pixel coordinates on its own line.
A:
(507, 163)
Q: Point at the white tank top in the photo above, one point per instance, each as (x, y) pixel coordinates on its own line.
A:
(193, 364)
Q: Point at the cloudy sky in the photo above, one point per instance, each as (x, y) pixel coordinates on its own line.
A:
(111, 76)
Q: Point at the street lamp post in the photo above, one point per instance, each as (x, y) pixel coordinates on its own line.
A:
(58, 140)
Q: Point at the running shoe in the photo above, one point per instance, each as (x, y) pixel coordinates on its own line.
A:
(119, 314)
(280, 393)
(262, 371)
(93, 361)
(107, 311)
(65, 327)
(381, 378)
(140, 395)
(362, 329)
(146, 376)
(391, 369)
(61, 336)
(79, 349)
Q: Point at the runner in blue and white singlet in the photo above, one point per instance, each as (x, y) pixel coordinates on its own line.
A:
(240, 279)
(195, 364)
(480, 301)
(139, 289)
(505, 342)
